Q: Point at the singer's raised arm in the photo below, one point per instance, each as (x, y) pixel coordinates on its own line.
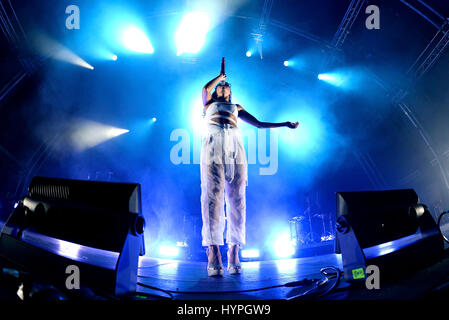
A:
(207, 89)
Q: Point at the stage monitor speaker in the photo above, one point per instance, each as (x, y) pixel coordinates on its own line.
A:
(101, 215)
(384, 228)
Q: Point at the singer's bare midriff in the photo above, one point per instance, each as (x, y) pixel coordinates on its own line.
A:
(222, 120)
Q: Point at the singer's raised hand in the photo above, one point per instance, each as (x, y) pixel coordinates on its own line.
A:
(222, 77)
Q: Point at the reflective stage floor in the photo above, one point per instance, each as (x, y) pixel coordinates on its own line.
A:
(189, 280)
(259, 280)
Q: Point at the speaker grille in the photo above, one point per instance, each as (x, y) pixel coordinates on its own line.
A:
(50, 191)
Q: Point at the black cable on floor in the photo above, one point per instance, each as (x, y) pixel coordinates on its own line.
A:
(305, 282)
(300, 283)
(319, 283)
(337, 276)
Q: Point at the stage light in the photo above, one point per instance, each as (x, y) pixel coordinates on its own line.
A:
(286, 63)
(250, 253)
(48, 47)
(248, 53)
(335, 79)
(149, 122)
(115, 132)
(16, 205)
(136, 40)
(326, 77)
(168, 251)
(86, 134)
(181, 244)
(114, 57)
(283, 246)
(191, 34)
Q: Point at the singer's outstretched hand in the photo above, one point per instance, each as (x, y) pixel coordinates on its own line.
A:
(292, 125)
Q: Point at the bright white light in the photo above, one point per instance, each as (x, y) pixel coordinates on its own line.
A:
(191, 33)
(16, 204)
(168, 251)
(286, 63)
(136, 40)
(68, 249)
(114, 57)
(326, 77)
(283, 246)
(181, 244)
(154, 119)
(87, 134)
(55, 50)
(248, 54)
(286, 265)
(250, 253)
(115, 132)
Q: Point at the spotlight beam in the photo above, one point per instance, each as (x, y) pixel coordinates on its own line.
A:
(191, 34)
(55, 50)
(86, 134)
(135, 39)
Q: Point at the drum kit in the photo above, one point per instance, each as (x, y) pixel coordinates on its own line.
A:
(303, 229)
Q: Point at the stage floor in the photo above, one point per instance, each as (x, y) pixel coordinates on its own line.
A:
(259, 280)
(190, 280)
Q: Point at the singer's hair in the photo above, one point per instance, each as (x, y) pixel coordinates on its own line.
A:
(214, 94)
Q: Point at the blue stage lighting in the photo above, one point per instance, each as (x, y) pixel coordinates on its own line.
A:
(154, 119)
(309, 139)
(191, 34)
(347, 79)
(286, 63)
(87, 134)
(136, 40)
(334, 79)
(114, 57)
(168, 251)
(326, 77)
(248, 53)
(250, 253)
(283, 245)
(55, 50)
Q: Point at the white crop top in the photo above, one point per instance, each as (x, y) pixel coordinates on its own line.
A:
(221, 106)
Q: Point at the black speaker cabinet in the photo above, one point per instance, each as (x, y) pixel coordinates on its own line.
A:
(385, 228)
(98, 216)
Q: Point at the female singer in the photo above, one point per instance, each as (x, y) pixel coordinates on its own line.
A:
(224, 172)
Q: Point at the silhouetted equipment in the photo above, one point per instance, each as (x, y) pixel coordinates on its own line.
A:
(390, 229)
(102, 215)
